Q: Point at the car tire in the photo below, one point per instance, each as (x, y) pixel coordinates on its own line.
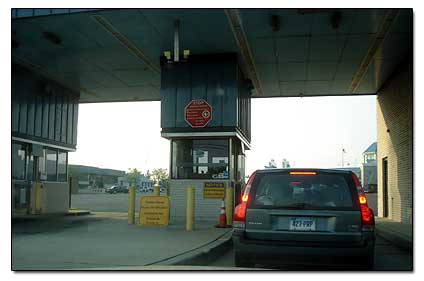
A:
(240, 261)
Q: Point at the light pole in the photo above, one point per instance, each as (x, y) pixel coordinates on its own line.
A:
(343, 152)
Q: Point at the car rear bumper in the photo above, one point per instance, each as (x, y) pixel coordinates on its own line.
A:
(302, 253)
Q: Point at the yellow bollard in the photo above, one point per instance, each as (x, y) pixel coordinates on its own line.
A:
(156, 190)
(38, 197)
(229, 208)
(190, 209)
(131, 205)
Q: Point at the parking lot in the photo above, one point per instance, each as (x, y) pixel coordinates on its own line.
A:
(105, 202)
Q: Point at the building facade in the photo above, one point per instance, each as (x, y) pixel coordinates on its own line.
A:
(369, 168)
(143, 183)
(93, 178)
(394, 137)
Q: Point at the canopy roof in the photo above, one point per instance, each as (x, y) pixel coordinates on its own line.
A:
(114, 55)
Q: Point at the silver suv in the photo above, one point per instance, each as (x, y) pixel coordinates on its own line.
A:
(303, 216)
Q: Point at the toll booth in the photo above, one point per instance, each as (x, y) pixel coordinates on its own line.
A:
(205, 113)
(44, 117)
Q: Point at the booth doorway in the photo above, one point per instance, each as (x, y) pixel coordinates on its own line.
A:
(385, 189)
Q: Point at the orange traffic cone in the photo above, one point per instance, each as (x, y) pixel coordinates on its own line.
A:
(222, 217)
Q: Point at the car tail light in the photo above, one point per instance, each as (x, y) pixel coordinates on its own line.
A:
(367, 215)
(303, 173)
(239, 219)
(367, 218)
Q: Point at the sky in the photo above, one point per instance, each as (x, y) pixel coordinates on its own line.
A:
(308, 132)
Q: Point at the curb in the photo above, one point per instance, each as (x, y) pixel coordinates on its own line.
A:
(32, 217)
(395, 238)
(202, 254)
(77, 213)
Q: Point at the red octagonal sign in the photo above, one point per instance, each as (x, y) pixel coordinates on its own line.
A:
(198, 113)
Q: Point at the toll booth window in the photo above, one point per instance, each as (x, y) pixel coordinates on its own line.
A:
(18, 161)
(30, 168)
(62, 166)
(200, 159)
(42, 166)
(51, 164)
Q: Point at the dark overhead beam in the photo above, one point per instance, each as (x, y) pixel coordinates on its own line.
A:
(38, 69)
(376, 44)
(126, 42)
(236, 25)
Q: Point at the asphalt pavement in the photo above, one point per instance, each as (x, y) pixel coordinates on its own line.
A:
(387, 257)
(103, 240)
(105, 202)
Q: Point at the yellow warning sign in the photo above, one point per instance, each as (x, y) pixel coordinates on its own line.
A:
(154, 210)
(214, 190)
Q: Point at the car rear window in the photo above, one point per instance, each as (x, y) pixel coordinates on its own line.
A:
(323, 191)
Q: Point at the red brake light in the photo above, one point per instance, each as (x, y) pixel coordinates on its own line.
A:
(303, 173)
(367, 218)
(367, 215)
(240, 210)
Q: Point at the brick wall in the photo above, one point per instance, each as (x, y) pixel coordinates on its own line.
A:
(394, 137)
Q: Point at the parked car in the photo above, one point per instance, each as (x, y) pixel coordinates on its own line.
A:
(117, 189)
(312, 216)
(144, 189)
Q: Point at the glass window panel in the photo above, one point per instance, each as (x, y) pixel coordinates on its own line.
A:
(30, 168)
(51, 165)
(18, 161)
(42, 166)
(319, 191)
(200, 159)
(62, 166)
(240, 168)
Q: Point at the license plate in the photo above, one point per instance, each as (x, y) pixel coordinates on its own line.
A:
(302, 224)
